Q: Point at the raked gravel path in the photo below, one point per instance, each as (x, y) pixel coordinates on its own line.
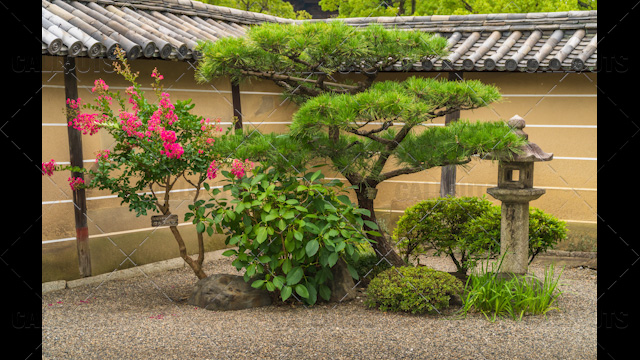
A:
(147, 317)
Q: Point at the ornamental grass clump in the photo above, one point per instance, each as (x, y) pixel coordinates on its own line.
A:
(497, 297)
(412, 289)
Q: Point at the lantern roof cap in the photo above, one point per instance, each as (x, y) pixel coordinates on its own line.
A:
(529, 152)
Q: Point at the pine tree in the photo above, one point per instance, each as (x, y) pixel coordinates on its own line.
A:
(368, 131)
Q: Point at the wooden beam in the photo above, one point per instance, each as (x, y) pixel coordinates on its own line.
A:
(448, 174)
(75, 155)
(237, 108)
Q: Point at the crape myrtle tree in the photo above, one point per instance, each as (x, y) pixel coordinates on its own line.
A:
(156, 144)
(365, 129)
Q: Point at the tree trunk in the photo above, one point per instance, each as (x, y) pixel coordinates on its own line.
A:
(195, 265)
(382, 247)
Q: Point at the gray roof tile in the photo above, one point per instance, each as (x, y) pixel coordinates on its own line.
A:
(170, 29)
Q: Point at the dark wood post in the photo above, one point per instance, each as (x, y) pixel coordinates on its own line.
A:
(237, 109)
(448, 174)
(75, 155)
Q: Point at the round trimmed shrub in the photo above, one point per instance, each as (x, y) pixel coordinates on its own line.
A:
(467, 229)
(440, 224)
(412, 289)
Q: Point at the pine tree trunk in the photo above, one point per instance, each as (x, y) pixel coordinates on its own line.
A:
(382, 247)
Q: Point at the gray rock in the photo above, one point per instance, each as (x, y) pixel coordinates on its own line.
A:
(342, 286)
(220, 292)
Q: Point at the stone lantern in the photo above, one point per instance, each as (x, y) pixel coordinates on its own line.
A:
(515, 190)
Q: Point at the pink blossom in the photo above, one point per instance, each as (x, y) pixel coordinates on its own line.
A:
(74, 104)
(154, 120)
(130, 123)
(156, 74)
(168, 136)
(48, 167)
(86, 123)
(103, 154)
(165, 103)
(238, 168)
(173, 151)
(212, 172)
(75, 183)
(171, 117)
(105, 97)
(133, 96)
(99, 84)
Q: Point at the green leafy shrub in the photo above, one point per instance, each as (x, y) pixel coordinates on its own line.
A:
(289, 233)
(412, 289)
(482, 234)
(467, 229)
(439, 224)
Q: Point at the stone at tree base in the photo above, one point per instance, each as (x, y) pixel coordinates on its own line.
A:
(220, 292)
(342, 285)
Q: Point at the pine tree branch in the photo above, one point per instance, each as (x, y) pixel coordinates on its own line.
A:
(274, 76)
(387, 124)
(403, 171)
(375, 138)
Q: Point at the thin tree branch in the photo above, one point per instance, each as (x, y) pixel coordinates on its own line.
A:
(403, 171)
(274, 76)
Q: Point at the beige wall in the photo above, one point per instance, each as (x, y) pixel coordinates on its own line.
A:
(560, 110)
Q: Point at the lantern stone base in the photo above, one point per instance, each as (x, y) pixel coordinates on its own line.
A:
(514, 227)
(516, 195)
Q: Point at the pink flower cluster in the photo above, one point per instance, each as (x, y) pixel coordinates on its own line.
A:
(74, 104)
(87, 123)
(155, 74)
(48, 167)
(130, 124)
(99, 85)
(103, 154)
(209, 125)
(212, 171)
(133, 96)
(75, 182)
(238, 168)
(172, 149)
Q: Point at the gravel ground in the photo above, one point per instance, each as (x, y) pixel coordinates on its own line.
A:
(147, 317)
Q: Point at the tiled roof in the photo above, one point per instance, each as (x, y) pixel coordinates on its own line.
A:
(170, 29)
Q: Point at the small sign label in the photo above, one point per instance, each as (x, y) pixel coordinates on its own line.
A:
(164, 220)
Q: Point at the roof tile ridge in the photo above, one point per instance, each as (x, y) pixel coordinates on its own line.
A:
(202, 9)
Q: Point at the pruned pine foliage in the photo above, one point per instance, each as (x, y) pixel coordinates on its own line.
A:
(381, 125)
(305, 58)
